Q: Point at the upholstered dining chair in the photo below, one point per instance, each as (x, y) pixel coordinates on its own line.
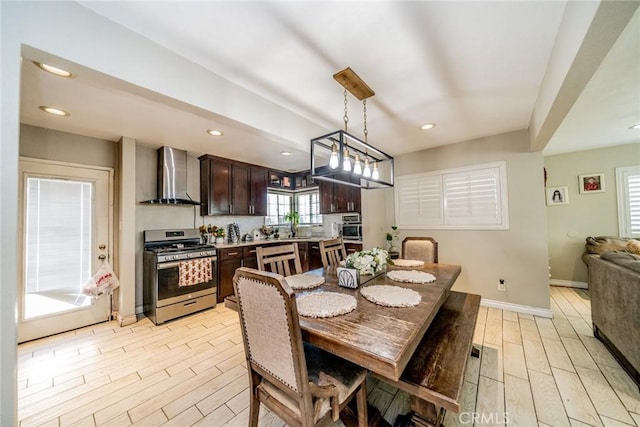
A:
(300, 383)
(279, 259)
(420, 248)
(332, 252)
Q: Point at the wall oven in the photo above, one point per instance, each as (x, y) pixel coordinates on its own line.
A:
(351, 227)
(179, 274)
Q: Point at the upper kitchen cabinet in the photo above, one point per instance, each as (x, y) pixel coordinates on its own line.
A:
(248, 190)
(215, 191)
(338, 198)
(232, 188)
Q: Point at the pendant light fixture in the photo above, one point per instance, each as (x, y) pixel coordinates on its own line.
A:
(331, 154)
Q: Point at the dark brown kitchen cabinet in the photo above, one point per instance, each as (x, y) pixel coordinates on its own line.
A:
(303, 251)
(352, 247)
(232, 188)
(229, 260)
(339, 198)
(248, 190)
(315, 260)
(215, 193)
(249, 257)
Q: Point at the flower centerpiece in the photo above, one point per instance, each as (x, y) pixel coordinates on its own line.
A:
(371, 262)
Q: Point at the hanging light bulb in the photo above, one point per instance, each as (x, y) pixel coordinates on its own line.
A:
(375, 174)
(333, 159)
(367, 170)
(346, 164)
(357, 165)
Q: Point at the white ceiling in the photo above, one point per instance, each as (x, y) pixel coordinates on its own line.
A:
(474, 68)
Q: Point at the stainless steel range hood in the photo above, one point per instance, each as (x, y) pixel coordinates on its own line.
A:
(172, 178)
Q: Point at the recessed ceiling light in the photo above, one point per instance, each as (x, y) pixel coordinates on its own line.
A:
(285, 153)
(637, 126)
(427, 126)
(53, 70)
(54, 111)
(214, 132)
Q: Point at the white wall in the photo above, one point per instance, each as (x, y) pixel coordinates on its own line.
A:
(518, 255)
(594, 214)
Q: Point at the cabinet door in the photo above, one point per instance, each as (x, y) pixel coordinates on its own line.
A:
(215, 188)
(240, 204)
(249, 257)
(356, 197)
(325, 191)
(259, 179)
(315, 261)
(341, 198)
(303, 250)
(225, 277)
(352, 247)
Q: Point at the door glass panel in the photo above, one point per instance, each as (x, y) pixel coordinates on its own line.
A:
(58, 231)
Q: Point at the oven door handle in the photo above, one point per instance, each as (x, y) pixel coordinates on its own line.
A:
(166, 265)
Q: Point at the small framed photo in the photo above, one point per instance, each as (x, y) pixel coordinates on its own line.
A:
(557, 196)
(591, 183)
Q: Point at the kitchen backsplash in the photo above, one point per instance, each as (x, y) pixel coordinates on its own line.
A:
(248, 223)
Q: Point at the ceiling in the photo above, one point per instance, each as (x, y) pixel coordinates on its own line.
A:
(473, 68)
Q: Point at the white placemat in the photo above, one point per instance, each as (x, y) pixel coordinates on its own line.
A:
(411, 276)
(304, 281)
(325, 304)
(391, 296)
(408, 262)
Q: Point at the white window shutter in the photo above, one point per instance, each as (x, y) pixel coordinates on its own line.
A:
(464, 198)
(628, 190)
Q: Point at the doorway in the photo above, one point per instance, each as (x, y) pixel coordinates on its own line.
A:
(65, 234)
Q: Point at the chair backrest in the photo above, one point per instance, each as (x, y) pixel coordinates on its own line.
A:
(271, 333)
(332, 252)
(278, 259)
(420, 248)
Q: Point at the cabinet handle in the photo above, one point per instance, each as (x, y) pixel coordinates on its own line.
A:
(315, 247)
(232, 253)
(252, 251)
(230, 208)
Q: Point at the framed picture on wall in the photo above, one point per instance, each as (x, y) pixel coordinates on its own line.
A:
(557, 196)
(591, 183)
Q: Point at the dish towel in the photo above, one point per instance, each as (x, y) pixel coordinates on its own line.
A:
(194, 272)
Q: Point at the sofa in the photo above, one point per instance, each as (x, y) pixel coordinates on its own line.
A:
(614, 285)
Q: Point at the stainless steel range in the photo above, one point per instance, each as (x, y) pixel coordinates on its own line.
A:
(179, 274)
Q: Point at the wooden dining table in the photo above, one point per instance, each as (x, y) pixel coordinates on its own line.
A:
(380, 339)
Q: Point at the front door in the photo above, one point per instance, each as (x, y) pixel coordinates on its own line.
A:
(65, 234)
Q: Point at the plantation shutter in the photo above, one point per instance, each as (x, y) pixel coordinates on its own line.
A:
(463, 198)
(628, 180)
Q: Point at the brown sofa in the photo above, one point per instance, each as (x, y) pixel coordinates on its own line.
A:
(614, 285)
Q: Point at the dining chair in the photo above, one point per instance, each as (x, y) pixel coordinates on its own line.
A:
(278, 259)
(420, 248)
(332, 252)
(300, 383)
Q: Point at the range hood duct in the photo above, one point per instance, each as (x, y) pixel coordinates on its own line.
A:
(172, 178)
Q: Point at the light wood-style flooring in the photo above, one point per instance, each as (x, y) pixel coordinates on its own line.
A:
(532, 371)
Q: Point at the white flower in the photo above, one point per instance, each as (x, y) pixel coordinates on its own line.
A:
(368, 262)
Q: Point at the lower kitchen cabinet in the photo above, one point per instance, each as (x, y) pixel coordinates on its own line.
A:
(229, 260)
(353, 247)
(315, 260)
(303, 251)
(249, 258)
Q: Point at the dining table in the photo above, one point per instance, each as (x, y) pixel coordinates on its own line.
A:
(379, 338)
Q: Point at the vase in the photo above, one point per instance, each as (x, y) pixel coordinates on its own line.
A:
(219, 240)
(348, 277)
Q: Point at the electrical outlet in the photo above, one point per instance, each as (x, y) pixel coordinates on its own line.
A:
(501, 285)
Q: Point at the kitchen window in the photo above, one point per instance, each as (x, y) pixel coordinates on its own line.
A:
(309, 207)
(278, 205)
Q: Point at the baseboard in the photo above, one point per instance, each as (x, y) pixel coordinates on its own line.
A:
(568, 283)
(524, 309)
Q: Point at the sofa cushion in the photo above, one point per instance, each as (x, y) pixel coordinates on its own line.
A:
(624, 259)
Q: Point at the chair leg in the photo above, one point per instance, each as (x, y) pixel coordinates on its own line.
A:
(254, 409)
(361, 400)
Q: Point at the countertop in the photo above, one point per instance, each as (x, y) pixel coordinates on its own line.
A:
(270, 241)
